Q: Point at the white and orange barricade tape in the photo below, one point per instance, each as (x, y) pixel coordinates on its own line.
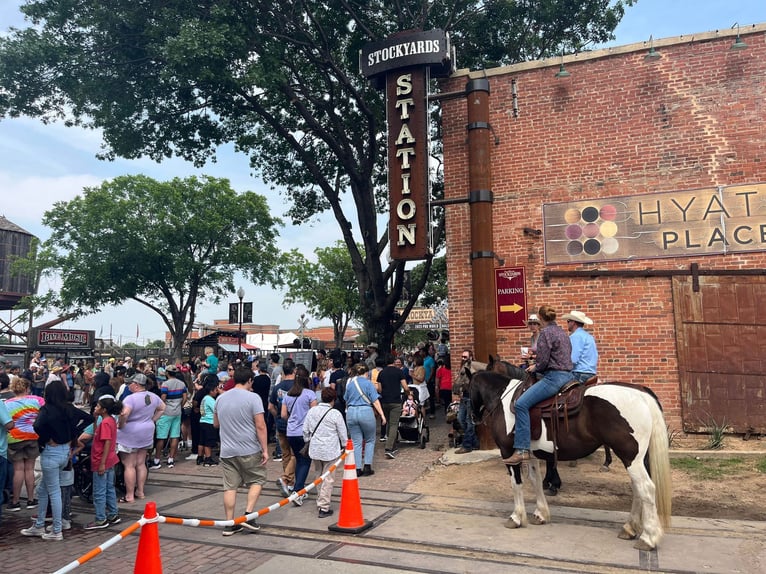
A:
(195, 522)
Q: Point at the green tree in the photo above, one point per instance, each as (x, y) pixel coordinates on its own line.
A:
(435, 288)
(328, 287)
(167, 245)
(156, 344)
(279, 80)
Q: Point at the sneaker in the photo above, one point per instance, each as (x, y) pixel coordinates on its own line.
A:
(298, 500)
(52, 536)
(33, 531)
(391, 453)
(325, 513)
(276, 458)
(231, 530)
(65, 525)
(383, 439)
(155, 465)
(171, 463)
(200, 460)
(463, 450)
(192, 456)
(283, 486)
(32, 504)
(97, 524)
(114, 519)
(251, 525)
(13, 507)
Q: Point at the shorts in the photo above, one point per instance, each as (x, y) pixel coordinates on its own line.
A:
(130, 449)
(208, 435)
(168, 427)
(239, 470)
(24, 450)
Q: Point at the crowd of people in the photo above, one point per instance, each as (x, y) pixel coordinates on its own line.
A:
(138, 415)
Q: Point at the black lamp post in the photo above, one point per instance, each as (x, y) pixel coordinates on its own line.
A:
(241, 295)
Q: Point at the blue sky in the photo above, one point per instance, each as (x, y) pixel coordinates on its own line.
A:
(42, 164)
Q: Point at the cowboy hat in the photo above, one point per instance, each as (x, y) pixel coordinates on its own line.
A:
(577, 317)
(533, 318)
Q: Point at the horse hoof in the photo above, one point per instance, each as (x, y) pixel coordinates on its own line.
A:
(642, 545)
(512, 524)
(603, 469)
(537, 520)
(552, 491)
(626, 534)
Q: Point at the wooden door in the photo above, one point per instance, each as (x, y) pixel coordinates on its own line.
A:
(721, 337)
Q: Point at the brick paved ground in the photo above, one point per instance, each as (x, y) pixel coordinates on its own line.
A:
(40, 556)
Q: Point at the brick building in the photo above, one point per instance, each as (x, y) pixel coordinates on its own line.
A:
(639, 179)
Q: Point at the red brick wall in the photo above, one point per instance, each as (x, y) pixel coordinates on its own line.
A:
(619, 125)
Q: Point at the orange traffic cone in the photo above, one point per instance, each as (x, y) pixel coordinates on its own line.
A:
(148, 559)
(350, 519)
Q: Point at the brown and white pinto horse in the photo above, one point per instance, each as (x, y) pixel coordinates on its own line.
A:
(628, 419)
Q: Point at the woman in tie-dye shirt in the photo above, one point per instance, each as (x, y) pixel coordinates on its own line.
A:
(22, 440)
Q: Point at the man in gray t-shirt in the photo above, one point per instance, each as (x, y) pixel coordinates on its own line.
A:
(239, 416)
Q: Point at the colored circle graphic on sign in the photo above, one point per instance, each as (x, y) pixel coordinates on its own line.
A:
(590, 230)
(574, 248)
(608, 229)
(573, 231)
(590, 214)
(572, 215)
(608, 212)
(592, 246)
(609, 246)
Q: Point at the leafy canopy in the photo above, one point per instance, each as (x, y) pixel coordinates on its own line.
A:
(278, 79)
(327, 287)
(166, 245)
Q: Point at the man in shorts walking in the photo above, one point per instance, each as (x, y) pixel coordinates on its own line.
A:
(173, 393)
(239, 415)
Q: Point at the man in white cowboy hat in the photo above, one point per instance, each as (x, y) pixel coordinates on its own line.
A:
(584, 351)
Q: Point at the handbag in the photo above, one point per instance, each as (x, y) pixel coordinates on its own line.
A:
(305, 450)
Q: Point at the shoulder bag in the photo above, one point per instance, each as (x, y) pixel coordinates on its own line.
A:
(305, 450)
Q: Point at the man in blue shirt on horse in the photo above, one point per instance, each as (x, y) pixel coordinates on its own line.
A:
(584, 351)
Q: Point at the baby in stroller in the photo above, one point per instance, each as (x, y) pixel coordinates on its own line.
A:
(412, 428)
(410, 406)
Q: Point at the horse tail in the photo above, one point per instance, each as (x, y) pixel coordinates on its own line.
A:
(659, 464)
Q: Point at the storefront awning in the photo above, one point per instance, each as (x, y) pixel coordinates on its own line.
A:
(230, 348)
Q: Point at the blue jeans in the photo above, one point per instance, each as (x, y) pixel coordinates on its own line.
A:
(5, 467)
(302, 463)
(582, 377)
(465, 418)
(546, 387)
(53, 459)
(104, 495)
(362, 429)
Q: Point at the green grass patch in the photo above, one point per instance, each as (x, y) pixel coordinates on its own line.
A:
(707, 469)
(760, 466)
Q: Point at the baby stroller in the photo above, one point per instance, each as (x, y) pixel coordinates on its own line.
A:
(413, 428)
(456, 434)
(83, 476)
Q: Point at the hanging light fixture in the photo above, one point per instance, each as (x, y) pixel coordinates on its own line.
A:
(652, 54)
(562, 73)
(738, 44)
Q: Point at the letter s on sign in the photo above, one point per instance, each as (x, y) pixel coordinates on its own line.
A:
(404, 85)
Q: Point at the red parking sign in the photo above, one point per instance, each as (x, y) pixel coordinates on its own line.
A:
(511, 296)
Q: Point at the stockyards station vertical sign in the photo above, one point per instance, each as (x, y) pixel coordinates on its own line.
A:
(511, 292)
(403, 64)
(710, 221)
